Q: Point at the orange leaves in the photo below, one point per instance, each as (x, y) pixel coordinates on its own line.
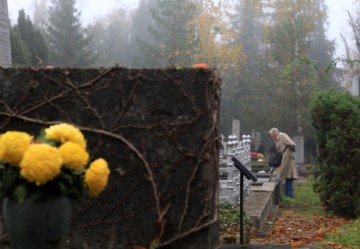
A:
(334, 245)
(297, 244)
(301, 229)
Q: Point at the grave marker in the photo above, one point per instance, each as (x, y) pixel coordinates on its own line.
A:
(236, 128)
(5, 46)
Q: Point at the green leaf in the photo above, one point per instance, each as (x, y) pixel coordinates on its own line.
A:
(20, 193)
(78, 172)
(37, 195)
(67, 179)
(41, 137)
(153, 246)
(52, 143)
(62, 188)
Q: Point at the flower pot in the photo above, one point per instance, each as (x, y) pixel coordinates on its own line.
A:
(37, 224)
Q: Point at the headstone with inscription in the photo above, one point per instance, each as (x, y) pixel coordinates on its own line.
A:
(5, 46)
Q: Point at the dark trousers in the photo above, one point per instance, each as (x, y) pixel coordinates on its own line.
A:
(289, 188)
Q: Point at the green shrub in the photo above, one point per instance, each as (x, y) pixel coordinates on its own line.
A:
(336, 118)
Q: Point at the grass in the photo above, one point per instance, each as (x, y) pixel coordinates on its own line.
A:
(307, 201)
(348, 235)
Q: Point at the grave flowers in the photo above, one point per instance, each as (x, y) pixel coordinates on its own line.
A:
(254, 156)
(40, 180)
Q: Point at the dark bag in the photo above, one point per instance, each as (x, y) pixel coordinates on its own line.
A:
(275, 160)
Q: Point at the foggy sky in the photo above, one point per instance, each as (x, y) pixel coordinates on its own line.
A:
(90, 9)
(93, 9)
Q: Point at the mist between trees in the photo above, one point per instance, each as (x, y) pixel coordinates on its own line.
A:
(272, 55)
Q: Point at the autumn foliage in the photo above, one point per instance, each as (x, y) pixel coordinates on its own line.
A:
(298, 229)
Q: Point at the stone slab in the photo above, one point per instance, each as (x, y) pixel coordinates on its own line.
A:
(265, 187)
(259, 204)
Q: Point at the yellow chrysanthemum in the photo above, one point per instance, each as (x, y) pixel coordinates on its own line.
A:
(65, 132)
(41, 163)
(73, 155)
(96, 176)
(13, 145)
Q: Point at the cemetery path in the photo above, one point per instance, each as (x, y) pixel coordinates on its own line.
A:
(299, 229)
(301, 222)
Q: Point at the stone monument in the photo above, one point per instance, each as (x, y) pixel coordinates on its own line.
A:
(5, 47)
(299, 150)
(356, 86)
(256, 137)
(236, 128)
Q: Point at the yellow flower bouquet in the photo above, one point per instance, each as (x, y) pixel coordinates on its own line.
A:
(53, 163)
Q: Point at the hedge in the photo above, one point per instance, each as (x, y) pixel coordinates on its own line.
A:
(336, 118)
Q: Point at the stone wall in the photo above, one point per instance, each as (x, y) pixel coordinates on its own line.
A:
(159, 131)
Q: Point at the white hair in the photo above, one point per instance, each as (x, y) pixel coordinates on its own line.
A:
(274, 130)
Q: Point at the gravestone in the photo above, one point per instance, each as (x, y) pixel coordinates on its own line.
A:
(5, 47)
(257, 139)
(299, 153)
(163, 151)
(356, 86)
(236, 128)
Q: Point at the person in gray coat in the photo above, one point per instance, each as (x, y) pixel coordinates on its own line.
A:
(287, 170)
